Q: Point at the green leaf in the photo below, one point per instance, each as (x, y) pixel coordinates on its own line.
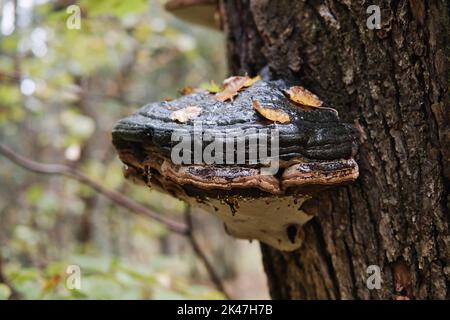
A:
(9, 94)
(9, 44)
(5, 291)
(34, 193)
(211, 86)
(117, 8)
(78, 125)
(77, 294)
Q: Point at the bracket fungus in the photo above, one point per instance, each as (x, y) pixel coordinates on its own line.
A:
(256, 169)
(200, 12)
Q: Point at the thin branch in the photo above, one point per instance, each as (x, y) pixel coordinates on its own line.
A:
(123, 201)
(201, 255)
(114, 196)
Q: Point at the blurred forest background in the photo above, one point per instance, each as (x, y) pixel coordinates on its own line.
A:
(61, 91)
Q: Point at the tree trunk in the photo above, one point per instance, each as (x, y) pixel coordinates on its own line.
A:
(392, 83)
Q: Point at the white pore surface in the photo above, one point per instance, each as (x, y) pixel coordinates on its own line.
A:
(264, 219)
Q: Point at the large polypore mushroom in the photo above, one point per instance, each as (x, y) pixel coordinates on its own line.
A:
(210, 150)
(200, 12)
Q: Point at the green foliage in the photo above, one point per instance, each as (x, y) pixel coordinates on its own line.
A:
(5, 291)
(79, 127)
(102, 278)
(126, 54)
(116, 8)
(211, 86)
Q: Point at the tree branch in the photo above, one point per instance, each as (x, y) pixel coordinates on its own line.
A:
(123, 201)
(114, 196)
(201, 255)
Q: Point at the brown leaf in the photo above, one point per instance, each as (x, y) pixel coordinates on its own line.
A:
(276, 115)
(232, 85)
(187, 90)
(300, 95)
(402, 278)
(185, 114)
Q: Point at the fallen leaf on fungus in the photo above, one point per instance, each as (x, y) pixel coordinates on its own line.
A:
(211, 87)
(186, 114)
(187, 90)
(300, 95)
(232, 85)
(276, 115)
(251, 81)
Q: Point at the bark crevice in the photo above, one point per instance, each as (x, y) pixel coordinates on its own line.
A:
(393, 84)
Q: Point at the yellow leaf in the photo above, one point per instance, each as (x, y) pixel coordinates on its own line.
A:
(300, 95)
(186, 114)
(272, 114)
(251, 81)
(211, 87)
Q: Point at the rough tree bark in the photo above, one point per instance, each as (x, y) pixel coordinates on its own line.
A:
(392, 83)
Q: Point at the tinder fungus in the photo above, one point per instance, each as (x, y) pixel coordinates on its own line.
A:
(251, 154)
(200, 12)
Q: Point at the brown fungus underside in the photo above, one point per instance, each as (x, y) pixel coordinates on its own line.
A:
(201, 12)
(315, 151)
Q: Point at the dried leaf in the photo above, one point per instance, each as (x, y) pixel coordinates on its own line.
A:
(232, 85)
(300, 95)
(186, 114)
(276, 115)
(187, 90)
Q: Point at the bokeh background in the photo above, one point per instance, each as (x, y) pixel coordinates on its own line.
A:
(61, 91)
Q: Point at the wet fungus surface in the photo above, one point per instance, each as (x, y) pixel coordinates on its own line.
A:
(309, 149)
